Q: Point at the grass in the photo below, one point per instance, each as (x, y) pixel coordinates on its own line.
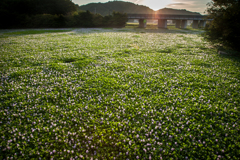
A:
(122, 93)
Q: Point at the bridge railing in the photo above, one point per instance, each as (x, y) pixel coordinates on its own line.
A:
(167, 16)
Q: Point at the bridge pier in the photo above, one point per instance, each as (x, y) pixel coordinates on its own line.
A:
(142, 23)
(178, 23)
(184, 24)
(162, 23)
(195, 24)
(202, 24)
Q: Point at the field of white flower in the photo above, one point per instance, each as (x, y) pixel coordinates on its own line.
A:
(117, 94)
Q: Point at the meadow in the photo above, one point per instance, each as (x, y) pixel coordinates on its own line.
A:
(117, 94)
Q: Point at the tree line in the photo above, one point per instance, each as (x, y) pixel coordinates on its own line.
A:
(53, 14)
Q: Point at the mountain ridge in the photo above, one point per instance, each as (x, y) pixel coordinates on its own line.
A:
(129, 8)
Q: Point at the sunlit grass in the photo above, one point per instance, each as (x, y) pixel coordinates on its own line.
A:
(117, 93)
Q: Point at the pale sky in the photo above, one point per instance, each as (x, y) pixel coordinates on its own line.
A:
(191, 5)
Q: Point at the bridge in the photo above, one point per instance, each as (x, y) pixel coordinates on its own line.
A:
(181, 20)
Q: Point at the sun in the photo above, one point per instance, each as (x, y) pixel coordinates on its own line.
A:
(156, 4)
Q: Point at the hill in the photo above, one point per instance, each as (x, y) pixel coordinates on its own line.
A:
(176, 11)
(128, 7)
(119, 6)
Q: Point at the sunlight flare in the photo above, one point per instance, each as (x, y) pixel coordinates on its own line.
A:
(157, 4)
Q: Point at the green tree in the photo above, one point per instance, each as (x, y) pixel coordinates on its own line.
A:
(117, 19)
(97, 20)
(84, 19)
(225, 27)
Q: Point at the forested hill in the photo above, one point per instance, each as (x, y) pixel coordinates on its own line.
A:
(176, 11)
(128, 7)
(119, 6)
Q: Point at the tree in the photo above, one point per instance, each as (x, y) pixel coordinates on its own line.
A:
(97, 20)
(225, 27)
(117, 19)
(84, 19)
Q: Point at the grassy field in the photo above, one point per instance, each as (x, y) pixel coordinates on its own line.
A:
(117, 94)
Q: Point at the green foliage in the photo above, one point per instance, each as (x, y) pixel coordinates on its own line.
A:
(88, 19)
(108, 93)
(224, 28)
(97, 20)
(119, 19)
(84, 19)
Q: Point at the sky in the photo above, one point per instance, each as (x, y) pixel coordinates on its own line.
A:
(191, 5)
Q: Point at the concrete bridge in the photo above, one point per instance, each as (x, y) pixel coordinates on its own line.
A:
(181, 20)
